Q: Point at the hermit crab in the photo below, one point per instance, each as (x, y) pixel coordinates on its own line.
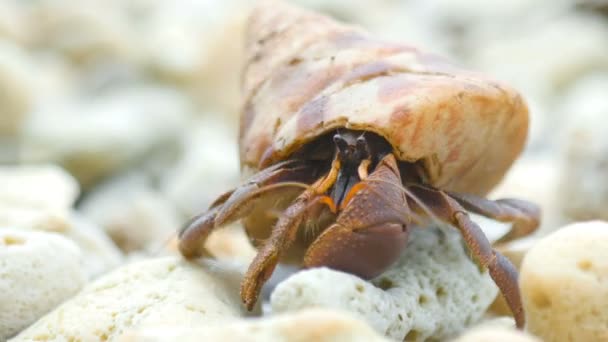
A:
(352, 141)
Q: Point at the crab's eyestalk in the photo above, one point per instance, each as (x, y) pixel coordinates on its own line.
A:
(351, 147)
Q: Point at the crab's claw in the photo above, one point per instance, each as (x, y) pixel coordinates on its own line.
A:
(371, 230)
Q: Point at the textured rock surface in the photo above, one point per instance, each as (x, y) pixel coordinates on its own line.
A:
(433, 291)
(307, 325)
(564, 284)
(38, 271)
(156, 292)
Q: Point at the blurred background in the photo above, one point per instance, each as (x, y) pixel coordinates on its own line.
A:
(139, 101)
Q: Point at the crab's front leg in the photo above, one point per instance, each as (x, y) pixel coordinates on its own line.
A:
(284, 234)
(371, 229)
(237, 203)
(502, 271)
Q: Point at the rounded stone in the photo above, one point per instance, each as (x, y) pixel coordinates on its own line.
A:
(564, 284)
(150, 293)
(432, 292)
(38, 271)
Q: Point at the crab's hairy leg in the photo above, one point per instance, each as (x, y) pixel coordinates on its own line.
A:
(500, 268)
(524, 215)
(282, 236)
(235, 204)
(371, 230)
(243, 199)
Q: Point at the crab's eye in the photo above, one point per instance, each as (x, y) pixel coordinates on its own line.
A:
(362, 147)
(340, 143)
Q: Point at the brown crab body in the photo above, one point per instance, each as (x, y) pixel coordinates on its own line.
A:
(347, 141)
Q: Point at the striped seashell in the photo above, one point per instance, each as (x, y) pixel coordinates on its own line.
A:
(306, 75)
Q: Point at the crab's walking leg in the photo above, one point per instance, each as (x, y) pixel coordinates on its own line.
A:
(371, 230)
(235, 204)
(282, 236)
(524, 215)
(501, 269)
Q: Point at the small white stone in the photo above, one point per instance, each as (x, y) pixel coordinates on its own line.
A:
(152, 293)
(564, 284)
(97, 136)
(38, 271)
(41, 198)
(100, 253)
(319, 325)
(86, 32)
(43, 187)
(433, 291)
(133, 214)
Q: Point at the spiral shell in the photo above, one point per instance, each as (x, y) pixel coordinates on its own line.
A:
(306, 74)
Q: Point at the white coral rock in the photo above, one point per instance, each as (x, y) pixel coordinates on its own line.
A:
(40, 198)
(433, 291)
(98, 136)
(564, 284)
(132, 213)
(154, 292)
(38, 271)
(318, 325)
(41, 187)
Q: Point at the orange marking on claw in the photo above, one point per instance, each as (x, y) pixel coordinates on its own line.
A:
(353, 191)
(329, 202)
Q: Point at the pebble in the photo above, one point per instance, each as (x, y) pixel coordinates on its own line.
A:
(433, 292)
(86, 32)
(134, 214)
(40, 198)
(564, 284)
(157, 292)
(104, 134)
(38, 271)
(40, 186)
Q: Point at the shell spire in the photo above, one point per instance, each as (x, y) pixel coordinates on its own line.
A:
(306, 74)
